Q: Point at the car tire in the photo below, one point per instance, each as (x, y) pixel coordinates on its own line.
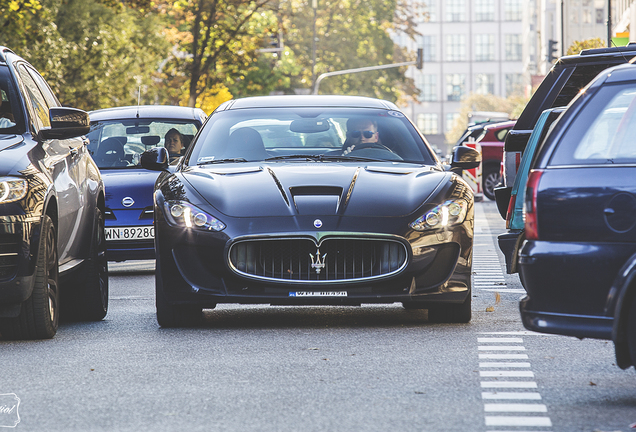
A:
(631, 331)
(490, 179)
(39, 314)
(87, 297)
(451, 312)
(169, 315)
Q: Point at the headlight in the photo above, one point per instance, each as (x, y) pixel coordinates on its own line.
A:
(452, 212)
(182, 213)
(12, 189)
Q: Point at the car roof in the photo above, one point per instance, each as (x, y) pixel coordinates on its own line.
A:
(283, 101)
(147, 111)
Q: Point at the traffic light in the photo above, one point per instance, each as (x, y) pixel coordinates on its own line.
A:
(552, 50)
(420, 58)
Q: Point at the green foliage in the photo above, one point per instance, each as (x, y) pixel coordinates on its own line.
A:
(578, 46)
(90, 53)
(488, 102)
(350, 34)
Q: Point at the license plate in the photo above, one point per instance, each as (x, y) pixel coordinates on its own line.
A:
(318, 294)
(130, 233)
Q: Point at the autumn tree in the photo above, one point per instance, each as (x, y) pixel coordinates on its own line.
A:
(578, 46)
(488, 102)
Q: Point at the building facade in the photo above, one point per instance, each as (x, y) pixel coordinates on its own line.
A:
(470, 46)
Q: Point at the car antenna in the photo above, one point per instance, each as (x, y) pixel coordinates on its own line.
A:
(138, 100)
(619, 50)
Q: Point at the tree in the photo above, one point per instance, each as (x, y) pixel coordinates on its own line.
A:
(216, 40)
(488, 102)
(578, 46)
(350, 34)
(89, 51)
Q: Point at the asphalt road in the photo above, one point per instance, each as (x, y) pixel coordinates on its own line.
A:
(369, 368)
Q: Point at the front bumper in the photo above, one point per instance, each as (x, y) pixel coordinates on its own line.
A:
(193, 268)
(19, 240)
(568, 286)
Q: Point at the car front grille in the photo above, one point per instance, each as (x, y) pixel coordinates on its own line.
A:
(9, 248)
(335, 260)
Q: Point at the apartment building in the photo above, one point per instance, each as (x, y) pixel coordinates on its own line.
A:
(470, 46)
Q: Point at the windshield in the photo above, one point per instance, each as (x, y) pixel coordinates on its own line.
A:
(259, 134)
(120, 143)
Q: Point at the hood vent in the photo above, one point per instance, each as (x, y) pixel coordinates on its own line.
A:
(316, 200)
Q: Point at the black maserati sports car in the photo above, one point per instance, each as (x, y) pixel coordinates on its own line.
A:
(311, 200)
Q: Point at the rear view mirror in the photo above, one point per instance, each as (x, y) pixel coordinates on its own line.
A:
(136, 130)
(309, 125)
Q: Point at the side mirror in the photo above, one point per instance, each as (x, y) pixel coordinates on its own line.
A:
(66, 123)
(155, 159)
(502, 196)
(465, 158)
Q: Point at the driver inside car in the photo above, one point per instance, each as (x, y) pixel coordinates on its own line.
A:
(361, 133)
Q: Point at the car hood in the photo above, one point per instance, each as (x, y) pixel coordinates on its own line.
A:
(137, 184)
(285, 189)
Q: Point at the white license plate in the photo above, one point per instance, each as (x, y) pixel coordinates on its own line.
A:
(318, 294)
(130, 233)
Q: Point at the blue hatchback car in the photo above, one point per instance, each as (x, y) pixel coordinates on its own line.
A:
(118, 137)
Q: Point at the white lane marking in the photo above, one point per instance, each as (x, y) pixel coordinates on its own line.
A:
(511, 374)
(517, 421)
(515, 407)
(508, 384)
(520, 333)
(501, 348)
(499, 339)
(505, 291)
(510, 395)
(504, 364)
(503, 356)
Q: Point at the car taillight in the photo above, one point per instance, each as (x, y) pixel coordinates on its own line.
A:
(530, 205)
(511, 209)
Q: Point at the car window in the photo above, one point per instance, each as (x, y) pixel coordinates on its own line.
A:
(603, 131)
(259, 134)
(501, 134)
(10, 112)
(39, 107)
(120, 143)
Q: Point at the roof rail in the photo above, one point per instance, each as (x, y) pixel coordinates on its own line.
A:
(629, 47)
(3, 49)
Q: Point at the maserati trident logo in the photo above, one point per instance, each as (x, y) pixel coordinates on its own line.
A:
(317, 263)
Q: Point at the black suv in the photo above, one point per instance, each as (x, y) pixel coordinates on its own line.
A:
(564, 81)
(52, 248)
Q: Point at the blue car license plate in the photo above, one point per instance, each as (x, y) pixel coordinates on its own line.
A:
(130, 233)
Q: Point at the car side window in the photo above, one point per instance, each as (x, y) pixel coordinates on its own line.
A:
(39, 107)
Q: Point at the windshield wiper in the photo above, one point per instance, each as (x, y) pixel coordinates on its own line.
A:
(295, 156)
(322, 157)
(222, 161)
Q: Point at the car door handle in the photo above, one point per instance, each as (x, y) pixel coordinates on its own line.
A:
(609, 211)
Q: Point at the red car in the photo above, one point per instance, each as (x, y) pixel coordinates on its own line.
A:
(492, 143)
